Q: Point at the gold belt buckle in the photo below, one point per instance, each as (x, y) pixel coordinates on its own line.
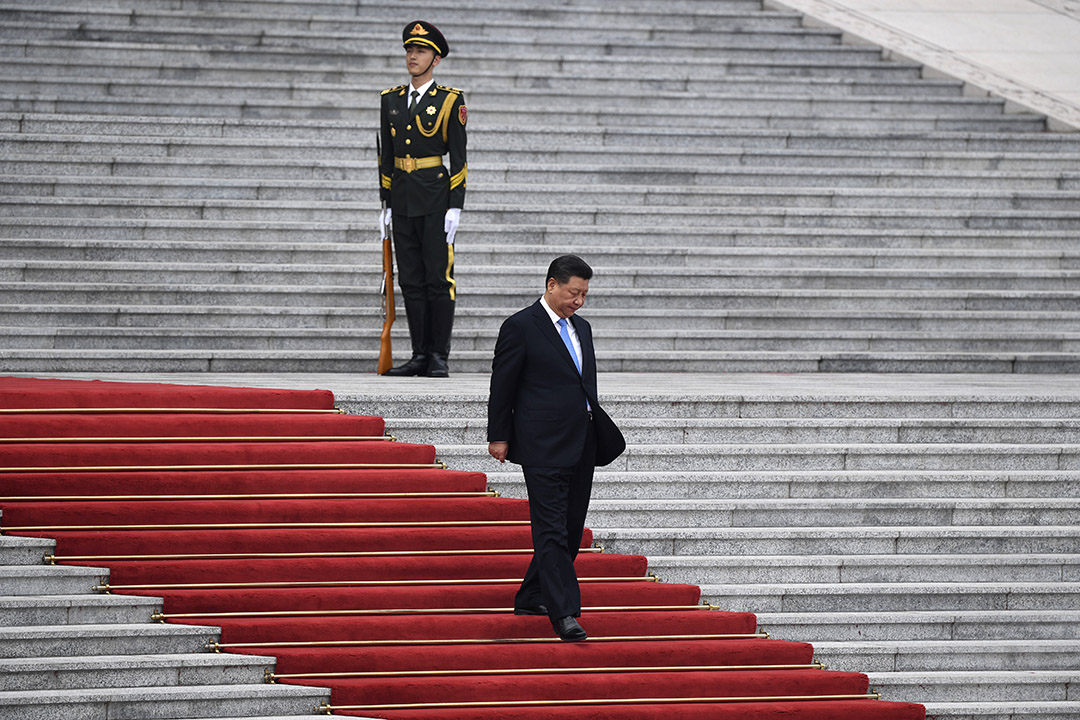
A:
(408, 164)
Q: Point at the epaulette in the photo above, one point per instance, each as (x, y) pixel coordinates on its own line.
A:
(449, 89)
(393, 89)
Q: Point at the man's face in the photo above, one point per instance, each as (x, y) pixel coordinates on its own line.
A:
(419, 59)
(566, 299)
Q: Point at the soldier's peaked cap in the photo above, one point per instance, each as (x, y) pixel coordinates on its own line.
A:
(422, 32)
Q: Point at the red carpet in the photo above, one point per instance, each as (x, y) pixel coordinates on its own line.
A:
(366, 567)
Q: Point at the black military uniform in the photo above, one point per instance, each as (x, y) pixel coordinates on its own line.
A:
(420, 189)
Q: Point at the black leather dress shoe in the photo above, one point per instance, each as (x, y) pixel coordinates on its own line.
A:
(535, 610)
(417, 365)
(568, 630)
(437, 366)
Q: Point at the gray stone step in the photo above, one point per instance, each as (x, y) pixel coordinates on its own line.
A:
(477, 345)
(50, 579)
(68, 176)
(740, 13)
(818, 457)
(661, 280)
(896, 597)
(176, 233)
(727, 431)
(609, 485)
(160, 136)
(84, 609)
(564, 27)
(102, 639)
(555, 140)
(857, 569)
(833, 119)
(144, 671)
(861, 65)
(980, 625)
(20, 190)
(999, 655)
(167, 702)
(15, 550)
(616, 261)
(1012, 687)
(961, 710)
(904, 512)
(373, 79)
(351, 362)
(973, 625)
(504, 102)
(712, 396)
(361, 318)
(911, 539)
(582, 215)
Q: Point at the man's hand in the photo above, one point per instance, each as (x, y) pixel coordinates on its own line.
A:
(384, 220)
(450, 223)
(498, 450)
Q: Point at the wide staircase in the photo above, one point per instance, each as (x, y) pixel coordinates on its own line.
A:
(69, 652)
(924, 532)
(195, 189)
(192, 187)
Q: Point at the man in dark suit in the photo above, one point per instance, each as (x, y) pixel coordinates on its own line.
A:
(421, 122)
(543, 414)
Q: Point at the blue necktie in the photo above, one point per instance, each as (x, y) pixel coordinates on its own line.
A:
(569, 343)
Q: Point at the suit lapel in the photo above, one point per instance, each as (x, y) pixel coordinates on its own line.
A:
(547, 329)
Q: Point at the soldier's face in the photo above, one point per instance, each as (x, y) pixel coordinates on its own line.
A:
(419, 59)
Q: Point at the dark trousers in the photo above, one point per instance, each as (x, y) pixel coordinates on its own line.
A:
(558, 503)
(425, 263)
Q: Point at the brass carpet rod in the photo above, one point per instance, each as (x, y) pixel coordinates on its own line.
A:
(329, 709)
(199, 438)
(217, 647)
(247, 496)
(272, 677)
(348, 583)
(278, 466)
(162, 617)
(268, 526)
(54, 559)
(172, 410)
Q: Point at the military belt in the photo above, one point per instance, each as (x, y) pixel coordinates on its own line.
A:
(408, 164)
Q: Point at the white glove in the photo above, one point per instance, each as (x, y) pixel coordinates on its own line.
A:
(453, 217)
(384, 221)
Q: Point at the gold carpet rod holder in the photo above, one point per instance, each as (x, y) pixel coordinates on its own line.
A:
(248, 496)
(199, 438)
(54, 559)
(271, 526)
(107, 588)
(329, 709)
(438, 464)
(271, 677)
(367, 612)
(172, 411)
(218, 646)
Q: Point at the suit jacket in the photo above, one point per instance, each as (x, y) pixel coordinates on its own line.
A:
(538, 399)
(436, 128)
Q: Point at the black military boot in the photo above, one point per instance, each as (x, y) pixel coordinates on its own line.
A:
(442, 324)
(416, 314)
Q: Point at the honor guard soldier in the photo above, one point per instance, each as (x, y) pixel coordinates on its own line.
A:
(420, 123)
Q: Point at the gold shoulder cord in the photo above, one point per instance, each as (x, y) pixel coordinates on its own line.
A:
(442, 120)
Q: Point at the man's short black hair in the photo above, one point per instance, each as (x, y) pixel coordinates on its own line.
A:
(567, 266)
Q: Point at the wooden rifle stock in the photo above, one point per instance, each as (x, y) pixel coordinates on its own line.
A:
(386, 355)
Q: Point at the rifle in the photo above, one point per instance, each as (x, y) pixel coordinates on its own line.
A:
(386, 355)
